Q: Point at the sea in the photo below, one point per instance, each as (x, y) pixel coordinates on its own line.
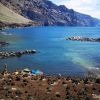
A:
(55, 55)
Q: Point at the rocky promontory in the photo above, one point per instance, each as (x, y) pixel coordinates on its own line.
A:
(80, 38)
(16, 54)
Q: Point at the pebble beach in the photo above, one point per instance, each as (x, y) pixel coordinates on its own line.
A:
(25, 86)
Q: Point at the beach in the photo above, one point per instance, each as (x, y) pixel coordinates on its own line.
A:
(26, 86)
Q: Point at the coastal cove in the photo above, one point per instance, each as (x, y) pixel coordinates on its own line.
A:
(54, 54)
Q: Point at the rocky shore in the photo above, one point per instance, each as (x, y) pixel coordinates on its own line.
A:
(80, 38)
(4, 25)
(4, 55)
(25, 86)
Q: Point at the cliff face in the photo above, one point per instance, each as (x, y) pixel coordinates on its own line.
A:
(47, 13)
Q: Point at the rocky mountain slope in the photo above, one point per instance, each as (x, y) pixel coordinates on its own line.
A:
(46, 13)
(9, 18)
(7, 15)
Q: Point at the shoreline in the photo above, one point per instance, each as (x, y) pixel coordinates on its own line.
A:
(25, 86)
(5, 25)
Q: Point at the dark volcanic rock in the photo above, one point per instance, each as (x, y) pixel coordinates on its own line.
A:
(80, 38)
(14, 25)
(3, 44)
(46, 13)
(15, 54)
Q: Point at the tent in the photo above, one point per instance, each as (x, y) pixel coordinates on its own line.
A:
(37, 72)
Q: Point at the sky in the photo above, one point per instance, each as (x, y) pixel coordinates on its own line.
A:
(90, 7)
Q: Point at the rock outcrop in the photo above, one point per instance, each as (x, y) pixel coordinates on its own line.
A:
(3, 44)
(80, 38)
(16, 54)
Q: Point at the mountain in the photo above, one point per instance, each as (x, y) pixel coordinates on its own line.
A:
(46, 13)
(7, 15)
(12, 19)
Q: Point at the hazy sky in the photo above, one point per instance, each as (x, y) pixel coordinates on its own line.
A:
(90, 7)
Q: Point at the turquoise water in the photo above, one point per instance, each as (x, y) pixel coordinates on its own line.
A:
(54, 53)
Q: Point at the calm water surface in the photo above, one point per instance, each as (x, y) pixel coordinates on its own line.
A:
(54, 53)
